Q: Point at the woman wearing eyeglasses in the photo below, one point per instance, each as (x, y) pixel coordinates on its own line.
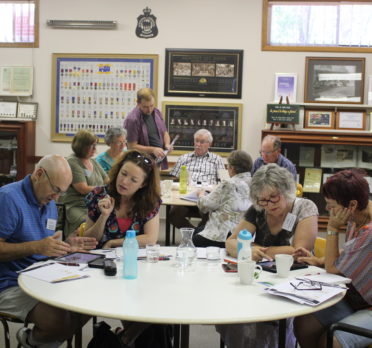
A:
(280, 223)
(115, 138)
(346, 195)
(130, 201)
(86, 175)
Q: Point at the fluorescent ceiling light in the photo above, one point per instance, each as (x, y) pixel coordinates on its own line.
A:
(78, 24)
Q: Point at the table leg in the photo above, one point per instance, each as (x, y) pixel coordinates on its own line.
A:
(176, 340)
(282, 333)
(185, 335)
(167, 225)
(79, 338)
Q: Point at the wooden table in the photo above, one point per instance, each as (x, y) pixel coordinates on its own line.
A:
(174, 199)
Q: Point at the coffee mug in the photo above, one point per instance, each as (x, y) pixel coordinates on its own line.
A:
(247, 271)
(283, 264)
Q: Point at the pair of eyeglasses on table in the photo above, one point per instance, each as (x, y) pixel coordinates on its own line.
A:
(308, 284)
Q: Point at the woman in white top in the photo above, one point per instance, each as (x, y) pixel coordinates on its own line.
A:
(226, 203)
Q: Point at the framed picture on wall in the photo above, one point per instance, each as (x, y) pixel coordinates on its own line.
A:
(319, 119)
(334, 80)
(222, 120)
(352, 120)
(285, 87)
(203, 73)
(97, 91)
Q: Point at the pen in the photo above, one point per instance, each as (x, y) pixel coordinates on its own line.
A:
(161, 258)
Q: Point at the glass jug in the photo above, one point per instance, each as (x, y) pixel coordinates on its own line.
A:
(186, 251)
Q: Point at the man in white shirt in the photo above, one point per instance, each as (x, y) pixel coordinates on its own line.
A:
(202, 167)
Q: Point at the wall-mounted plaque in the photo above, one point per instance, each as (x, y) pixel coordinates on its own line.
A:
(222, 120)
(203, 73)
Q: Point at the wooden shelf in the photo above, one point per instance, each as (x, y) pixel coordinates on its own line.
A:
(24, 132)
(292, 140)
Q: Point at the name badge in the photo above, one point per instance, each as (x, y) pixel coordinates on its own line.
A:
(51, 224)
(289, 221)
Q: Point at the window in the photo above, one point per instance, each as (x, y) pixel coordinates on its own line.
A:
(332, 25)
(19, 23)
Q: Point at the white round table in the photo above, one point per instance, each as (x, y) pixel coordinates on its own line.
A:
(163, 294)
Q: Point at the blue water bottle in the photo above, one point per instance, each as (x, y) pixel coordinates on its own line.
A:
(130, 253)
(244, 240)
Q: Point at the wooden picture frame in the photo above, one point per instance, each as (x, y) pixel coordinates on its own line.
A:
(97, 91)
(203, 73)
(351, 120)
(334, 80)
(223, 120)
(319, 119)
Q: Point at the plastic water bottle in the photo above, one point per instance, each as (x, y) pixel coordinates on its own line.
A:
(183, 180)
(244, 242)
(130, 253)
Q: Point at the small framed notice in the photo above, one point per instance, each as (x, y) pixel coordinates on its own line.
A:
(27, 111)
(353, 120)
(8, 109)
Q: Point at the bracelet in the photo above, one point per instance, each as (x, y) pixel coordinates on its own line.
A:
(331, 233)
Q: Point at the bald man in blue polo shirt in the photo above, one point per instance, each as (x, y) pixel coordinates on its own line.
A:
(27, 235)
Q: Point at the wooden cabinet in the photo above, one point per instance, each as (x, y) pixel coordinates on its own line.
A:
(17, 150)
(293, 140)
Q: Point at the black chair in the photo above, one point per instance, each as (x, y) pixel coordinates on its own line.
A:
(347, 328)
(5, 318)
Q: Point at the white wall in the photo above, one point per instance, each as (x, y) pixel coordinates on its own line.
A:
(214, 24)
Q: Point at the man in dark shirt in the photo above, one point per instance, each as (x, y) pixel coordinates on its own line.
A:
(146, 128)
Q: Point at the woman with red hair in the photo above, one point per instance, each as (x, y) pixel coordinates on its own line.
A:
(346, 195)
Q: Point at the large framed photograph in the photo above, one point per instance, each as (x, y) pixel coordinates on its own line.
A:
(97, 91)
(352, 120)
(203, 73)
(334, 80)
(319, 119)
(285, 87)
(222, 120)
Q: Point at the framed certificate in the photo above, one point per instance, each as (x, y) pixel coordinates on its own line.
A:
(27, 111)
(352, 120)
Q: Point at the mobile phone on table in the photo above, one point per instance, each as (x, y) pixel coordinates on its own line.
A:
(230, 267)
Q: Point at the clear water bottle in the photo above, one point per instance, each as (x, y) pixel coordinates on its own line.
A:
(244, 242)
(130, 253)
(183, 180)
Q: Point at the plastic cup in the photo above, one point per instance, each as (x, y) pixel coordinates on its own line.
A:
(213, 253)
(152, 253)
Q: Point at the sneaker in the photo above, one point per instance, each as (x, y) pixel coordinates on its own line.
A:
(22, 337)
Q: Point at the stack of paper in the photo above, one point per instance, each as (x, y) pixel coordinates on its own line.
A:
(55, 273)
(291, 289)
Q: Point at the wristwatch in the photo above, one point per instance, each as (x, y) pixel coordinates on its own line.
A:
(331, 233)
